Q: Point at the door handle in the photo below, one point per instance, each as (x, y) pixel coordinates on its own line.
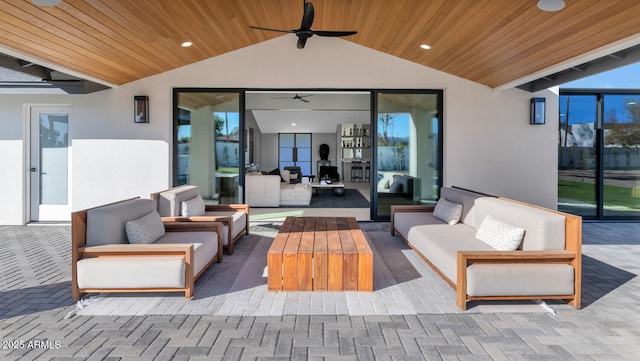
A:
(34, 169)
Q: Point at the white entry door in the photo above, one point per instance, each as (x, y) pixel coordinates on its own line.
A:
(50, 170)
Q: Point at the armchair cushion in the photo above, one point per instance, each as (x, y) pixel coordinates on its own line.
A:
(193, 207)
(146, 229)
(170, 201)
(106, 225)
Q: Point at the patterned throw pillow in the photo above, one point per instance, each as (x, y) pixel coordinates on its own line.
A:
(499, 235)
(193, 207)
(146, 229)
(448, 211)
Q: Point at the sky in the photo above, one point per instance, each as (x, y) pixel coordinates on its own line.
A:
(583, 108)
(626, 77)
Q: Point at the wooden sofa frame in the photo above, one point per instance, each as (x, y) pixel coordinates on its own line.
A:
(213, 208)
(80, 251)
(571, 255)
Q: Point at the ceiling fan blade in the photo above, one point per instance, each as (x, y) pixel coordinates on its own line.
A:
(303, 100)
(333, 33)
(307, 17)
(268, 29)
(302, 42)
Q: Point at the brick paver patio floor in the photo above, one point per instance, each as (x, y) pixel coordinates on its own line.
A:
(35, 298)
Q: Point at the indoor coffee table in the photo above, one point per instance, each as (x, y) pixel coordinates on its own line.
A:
(337, 187)
(320, 254)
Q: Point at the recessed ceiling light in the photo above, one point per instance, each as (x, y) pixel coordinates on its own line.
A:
(186, 44)
(46, 2)
(425, 46)
(551, 5)
(294, 124)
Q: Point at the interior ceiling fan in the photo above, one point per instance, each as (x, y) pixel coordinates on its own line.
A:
(296, 97)
(305, 31)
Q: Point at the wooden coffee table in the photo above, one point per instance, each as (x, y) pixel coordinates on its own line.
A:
(320, 254)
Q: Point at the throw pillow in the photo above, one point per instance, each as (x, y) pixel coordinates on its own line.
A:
(276, 172)
(146, 229)
(499, 235)
(448, 211)
(285, 174)
(193, 207)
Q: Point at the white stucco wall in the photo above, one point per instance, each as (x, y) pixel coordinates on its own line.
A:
(489, 144)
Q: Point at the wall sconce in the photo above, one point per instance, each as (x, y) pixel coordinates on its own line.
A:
(537, 111)
(141, 109)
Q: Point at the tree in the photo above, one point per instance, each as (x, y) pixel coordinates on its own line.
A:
(385, 122)
(626, 134)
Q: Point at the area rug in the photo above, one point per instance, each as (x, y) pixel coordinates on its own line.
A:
(403, 284)
(352, 198)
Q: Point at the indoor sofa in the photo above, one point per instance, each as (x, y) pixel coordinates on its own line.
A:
(273, 191)
(173, 205)
(490, 248)
(126, 247)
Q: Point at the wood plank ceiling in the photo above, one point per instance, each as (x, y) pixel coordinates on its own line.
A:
(492, 42)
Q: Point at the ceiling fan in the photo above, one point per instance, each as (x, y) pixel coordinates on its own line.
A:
(305, 31)
(296, 97)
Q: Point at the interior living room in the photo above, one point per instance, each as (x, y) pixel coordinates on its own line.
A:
(326, 143)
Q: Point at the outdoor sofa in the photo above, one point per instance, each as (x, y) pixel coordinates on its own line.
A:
(185, 204)
(269, 190)
(471, 252)
(126, 247)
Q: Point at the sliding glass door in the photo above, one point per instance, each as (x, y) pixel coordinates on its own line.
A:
(577, 157)
(621, 155)
(407, 147)
(208, 143)
(599, 154)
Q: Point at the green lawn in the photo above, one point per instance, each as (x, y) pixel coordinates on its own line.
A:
(585, 192)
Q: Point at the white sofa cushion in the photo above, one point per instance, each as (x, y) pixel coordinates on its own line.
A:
(239, 220)
(440, 244)
(131, 272)
(405, 220)
(192, 207)
(263, 190)
(205, 246)
(520, 279)
(447, 211)
(545, 230)
(499, 235)
(146, 229)
(295, 194)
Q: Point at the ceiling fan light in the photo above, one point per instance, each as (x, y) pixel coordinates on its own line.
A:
(551, 5)
(46, 2)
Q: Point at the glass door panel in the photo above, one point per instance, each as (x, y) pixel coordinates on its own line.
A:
(577, 157)
(621, 155)
(50, 165)
(208, 143)
(295, 150)
(408, 149)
